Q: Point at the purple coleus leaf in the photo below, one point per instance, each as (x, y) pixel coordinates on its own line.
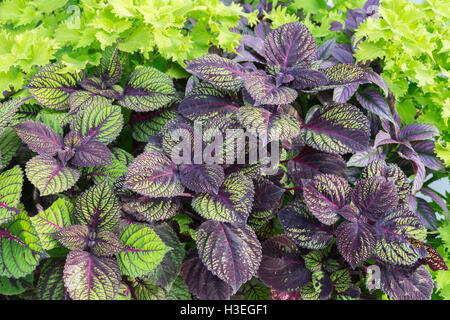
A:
(282, 267)
(206, 101)
(374, 196)
(393, 230)
(390, 171)
(291, 44)
(325, 195)
(203, 283)
(105, 244)
(375, 78)
(302, 227)
(373, 101)
(343, 93)
(324, 51)
(363, 158)
(230, 252)
(355, 241)
(75, 237)
(436, 198)
(92, 154)
(434, 259)
(39, 137)
(310, 163)
(418, 167)
(343, 54)
(87, 277)
(153, 174)
(425, 151)
(337, 128)
(413, 283)
(263, 89)
(151, 209)
(202, 177)
(306, 78)
(418, 131)
(218, 71)
(426, 214)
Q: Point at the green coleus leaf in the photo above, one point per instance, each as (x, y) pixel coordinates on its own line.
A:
(51, 220)
(9, 143)
(20, 247)
(230, 252)
(50, 285)
(100, 121)
(147, 89)
(98, 208)
(169, 268)
(51, 88)
(87, 277)
(178, 291)
(144, 250)
(106, 243)
(233, 202)
(120, 161)
(147, 291)
(322, 284)
(151, 209)
(11, 286)
(11, 182)
(7, 111)
(110, 68)
(341, 280)
(153, 174)
(50, 176)
(337, 128)
(218, 71)
(150, 123)
(278, 125)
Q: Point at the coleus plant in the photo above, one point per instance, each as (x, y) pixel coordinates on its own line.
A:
(122, 235)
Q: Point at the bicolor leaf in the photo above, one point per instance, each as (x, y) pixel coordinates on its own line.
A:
(87, 277)
(373, 101)
(147, 89)
(302, 227)
(153, 174)
(51, 88)
(50, 176)
(232, 253)
(50, 285)
(202, 177)
(11, 286)
(110, 67)
(91, 154)
(98, 207)
(263, 89)
(337, 128)
(151, 209)
(218, 71)
(418, 131)
(233, 202)
(9, 143)
(39, 137)
(7, 111)
(105, 244)
(74, 237)
(325, 195)
(53, 219)
(144, 250)
(11, 182)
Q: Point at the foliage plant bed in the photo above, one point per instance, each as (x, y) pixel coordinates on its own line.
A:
(280, 171)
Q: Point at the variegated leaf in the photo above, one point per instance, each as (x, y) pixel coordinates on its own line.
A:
(50, 285)
(337, 128)
(153, 174)
(325, 195)
(74, 237)
(11, 182)
(87, 277)
(233, 202)
(151, 209)
(50, 176)
(202, 177)
(263, 89)
(39, 137)
(147, 89)
(232, 253)
(7, 111)
(218, 71)
(106, 244)
(144, 250)
(51, 88)
(302, 227)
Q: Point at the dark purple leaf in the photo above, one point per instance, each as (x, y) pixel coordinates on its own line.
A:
(289, 45)
(418, 131)
(337, 128)
(202, 283)
(375, 78)
(363, 158)
(263, 90)
(426, 214)
(413, 283)
(306, 78)
(336, 26)
(425, 150)
(355, 241)
(373, 101)
(39, 137)
(434, 259)
(282, 267)
(324, 51)
(218, 71)
(343, 54)
(374, 196)
(325, 195)
(232, 253)
(343, 93)
(383, 138)
(302, 227)
(310, 163)
(418, 166)
(255, 43)
(202, 177)
(436, 198)
(105, 244)
(92, 154)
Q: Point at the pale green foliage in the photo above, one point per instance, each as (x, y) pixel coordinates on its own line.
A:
(34, 33)
(412, 42)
